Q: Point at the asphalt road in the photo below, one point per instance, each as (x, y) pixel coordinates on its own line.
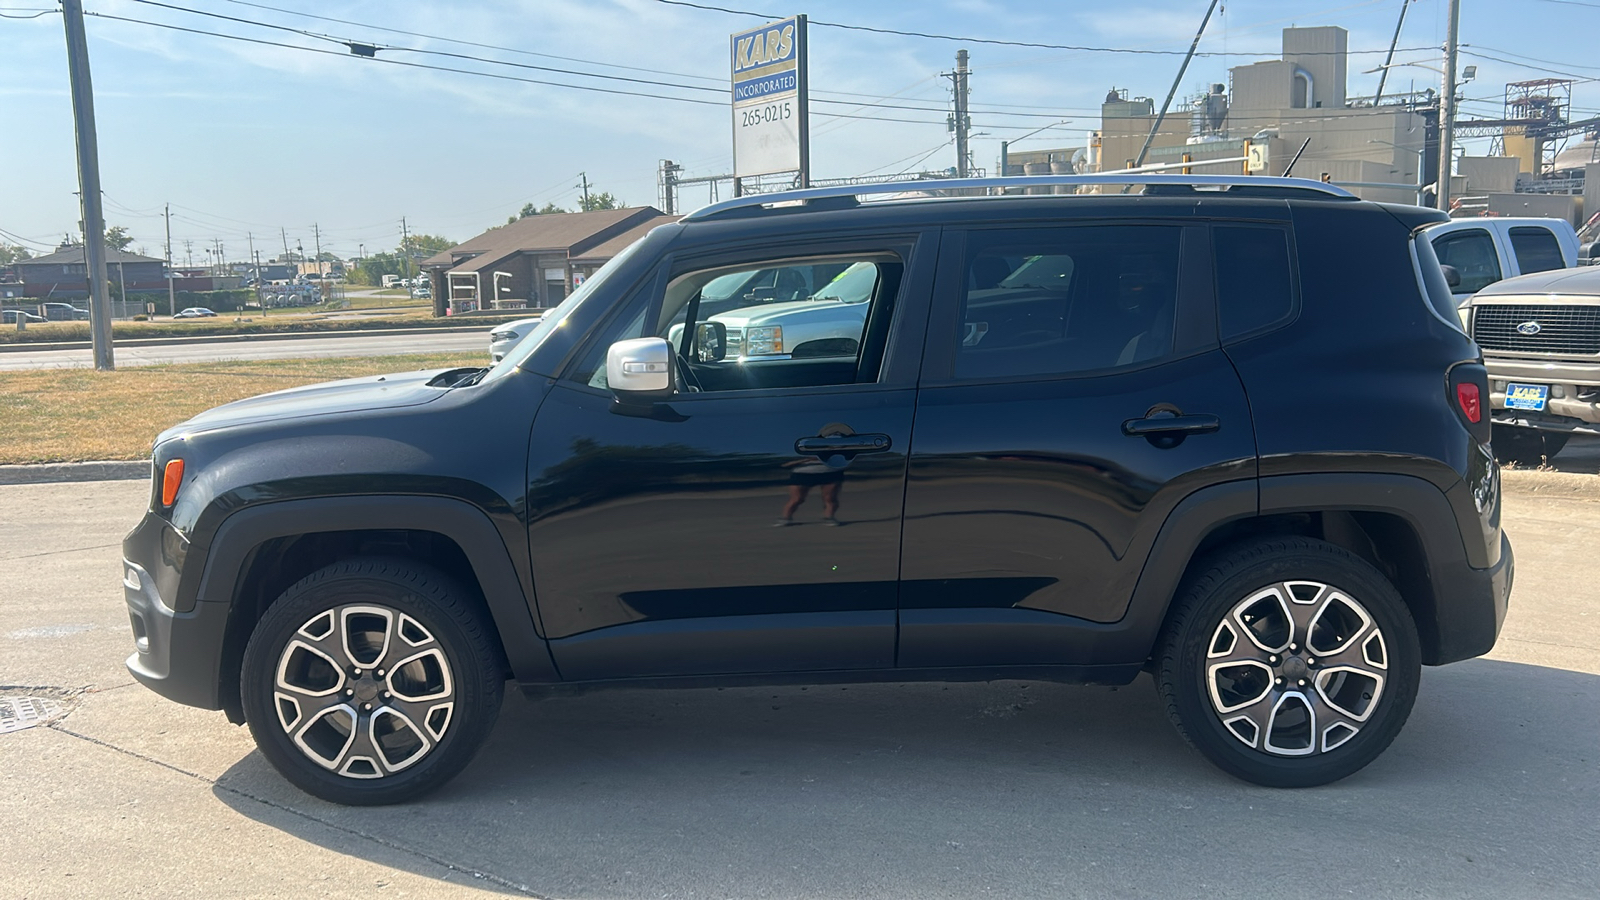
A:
(218, 351)
(888, 791)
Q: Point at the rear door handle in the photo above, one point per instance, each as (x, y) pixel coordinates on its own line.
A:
(1199, 423)
(844, 443)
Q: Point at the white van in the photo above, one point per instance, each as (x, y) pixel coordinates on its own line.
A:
(1487, 249)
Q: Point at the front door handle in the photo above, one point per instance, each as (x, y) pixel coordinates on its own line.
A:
(1163, 423)
(844, 443)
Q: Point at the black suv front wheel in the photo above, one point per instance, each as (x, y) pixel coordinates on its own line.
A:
(371, 681)
(1289, 663)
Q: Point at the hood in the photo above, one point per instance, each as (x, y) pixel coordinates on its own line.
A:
(780, 313)
(330, 398)
(1577, 281)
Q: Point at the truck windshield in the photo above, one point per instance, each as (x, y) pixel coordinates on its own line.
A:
(853, 285)
(555, 317)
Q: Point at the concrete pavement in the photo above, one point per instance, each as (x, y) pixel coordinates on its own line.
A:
(917, 791)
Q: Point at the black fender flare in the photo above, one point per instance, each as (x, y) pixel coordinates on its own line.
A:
(468, 526)
(1458, 608)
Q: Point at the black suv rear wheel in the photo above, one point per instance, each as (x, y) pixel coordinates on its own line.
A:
(371, 681)
(1289, 663)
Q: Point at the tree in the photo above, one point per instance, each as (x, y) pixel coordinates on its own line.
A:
(10, 254)
(604, 200)
(528, 209)
(374, 267)
(431, 243)
(117, 238)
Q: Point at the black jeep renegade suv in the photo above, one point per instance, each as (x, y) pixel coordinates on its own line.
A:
(1228, 432)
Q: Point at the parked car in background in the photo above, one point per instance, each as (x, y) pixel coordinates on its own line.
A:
(1484, 250)
(63, 312)
(193, 312)
(10, 316)
(503, 337)
(1540, 336)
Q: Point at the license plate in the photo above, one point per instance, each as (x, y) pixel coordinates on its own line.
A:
(1526, 396)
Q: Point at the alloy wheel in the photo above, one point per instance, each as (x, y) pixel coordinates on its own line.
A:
(1296, 668)
(364, 690)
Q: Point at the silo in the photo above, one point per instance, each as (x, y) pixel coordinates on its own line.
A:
(1061, 164)
(1037, 168)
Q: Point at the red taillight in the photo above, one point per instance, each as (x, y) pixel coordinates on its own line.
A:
(1471, 403)
(171, 479)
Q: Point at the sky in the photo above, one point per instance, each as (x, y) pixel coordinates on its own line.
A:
(254, 142)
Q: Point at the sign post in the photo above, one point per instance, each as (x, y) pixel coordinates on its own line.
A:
(771, 124)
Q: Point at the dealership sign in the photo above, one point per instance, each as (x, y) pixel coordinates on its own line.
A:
(769, 99)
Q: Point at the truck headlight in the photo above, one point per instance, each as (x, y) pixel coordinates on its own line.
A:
(766, 340)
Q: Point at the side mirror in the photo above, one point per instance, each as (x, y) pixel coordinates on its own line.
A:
(1452, 276)
(710, 342)
(640, 370)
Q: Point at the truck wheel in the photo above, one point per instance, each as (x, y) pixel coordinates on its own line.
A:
(371, 681)
(1526, 446)
(1289, 663)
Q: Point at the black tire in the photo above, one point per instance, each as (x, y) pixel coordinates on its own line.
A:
(450, 663)
(1195, 627)
(1526, 446)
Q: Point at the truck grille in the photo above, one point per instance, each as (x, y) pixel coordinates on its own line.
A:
(1562, 329)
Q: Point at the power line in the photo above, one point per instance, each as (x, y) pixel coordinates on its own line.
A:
(721, 91)
(409, 65)
(1006, 43)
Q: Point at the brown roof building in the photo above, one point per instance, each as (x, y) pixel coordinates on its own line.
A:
(535, 261)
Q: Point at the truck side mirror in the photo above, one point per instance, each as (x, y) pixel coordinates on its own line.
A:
(639, 371)
(1452, 276)
(710, 342)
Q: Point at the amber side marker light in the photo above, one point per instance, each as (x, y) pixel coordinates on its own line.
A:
(171, 478)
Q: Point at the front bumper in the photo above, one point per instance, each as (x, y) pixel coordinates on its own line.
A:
(177, 653)
(1573, 403)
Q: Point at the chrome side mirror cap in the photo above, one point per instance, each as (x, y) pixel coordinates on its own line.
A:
(640, 370)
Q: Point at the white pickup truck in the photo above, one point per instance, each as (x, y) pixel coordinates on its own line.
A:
(1485, 250)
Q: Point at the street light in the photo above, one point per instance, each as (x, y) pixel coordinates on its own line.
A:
(1005, 146)
(1421, 152)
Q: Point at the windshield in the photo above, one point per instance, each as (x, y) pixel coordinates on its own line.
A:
(853, 285)
(557, 316)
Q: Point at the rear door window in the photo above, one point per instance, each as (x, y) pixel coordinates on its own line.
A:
(1052, 301)
(1471, 251)
(1536, 249)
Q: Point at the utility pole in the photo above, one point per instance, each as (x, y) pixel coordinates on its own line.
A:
(172, 294)
(94, 223)
(317, 236)
(1447, 108)
(405, 245)
(584, 183)
(961, 122)
(285, 235)
(222, 259)
(188, 253)
(1383, 70)
(1139, 160)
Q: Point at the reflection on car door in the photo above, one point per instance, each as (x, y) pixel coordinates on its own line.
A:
(658, 542)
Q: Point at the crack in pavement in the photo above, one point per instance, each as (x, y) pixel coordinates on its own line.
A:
(496, 880)
(56, 552)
